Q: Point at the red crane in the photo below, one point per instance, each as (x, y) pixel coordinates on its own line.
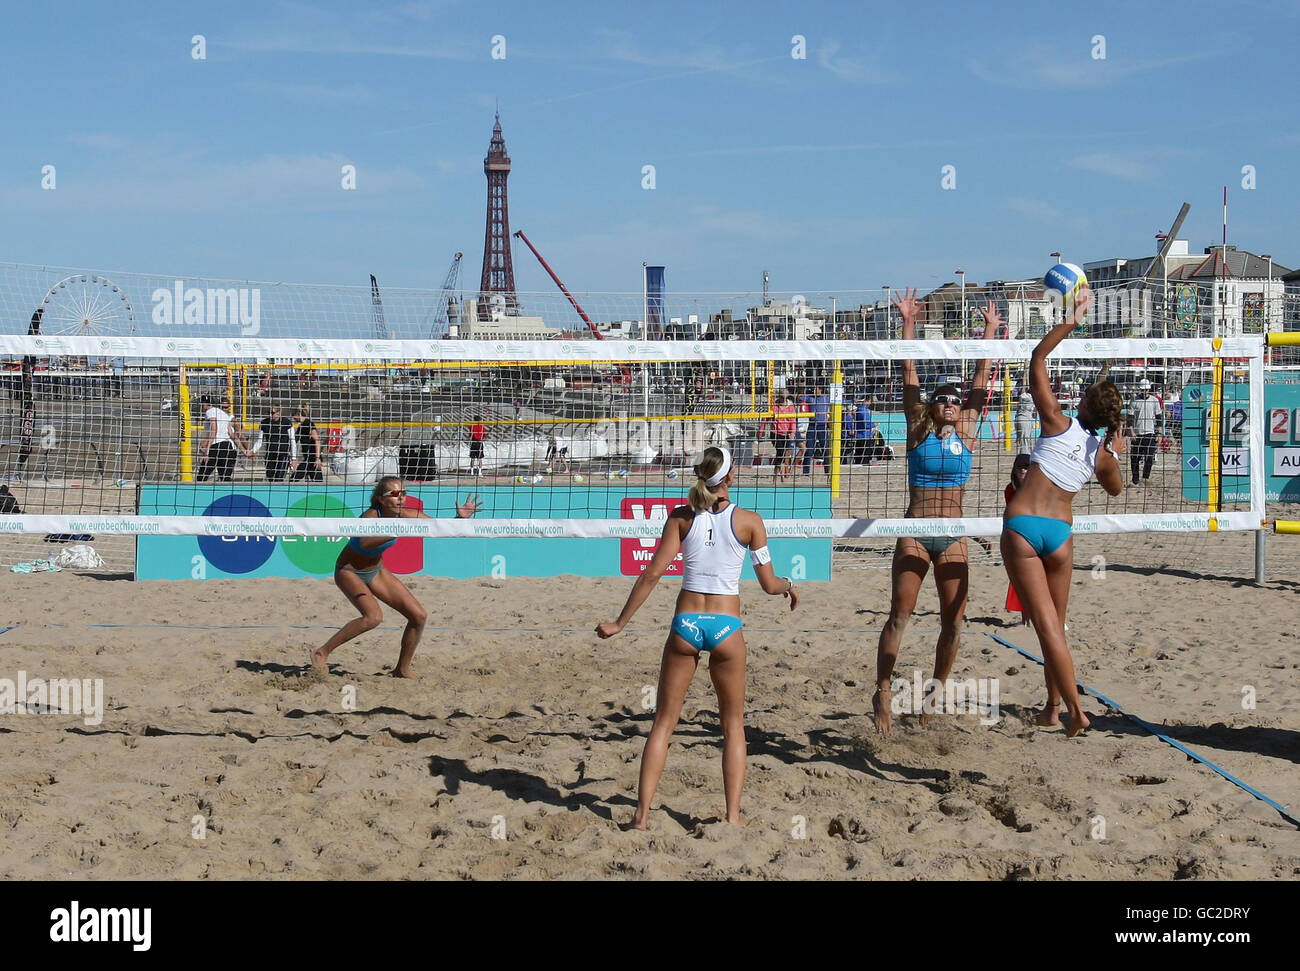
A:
(559, 283)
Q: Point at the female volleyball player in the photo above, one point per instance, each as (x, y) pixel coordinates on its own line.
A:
(1036, 544)
(712, 534)
(939, 437)
(363, 578)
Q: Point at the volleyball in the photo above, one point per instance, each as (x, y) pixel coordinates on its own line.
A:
(1064, 280)
(622, 473)
(672, 473)
(538, 479)
(522, 479)
(579, 478)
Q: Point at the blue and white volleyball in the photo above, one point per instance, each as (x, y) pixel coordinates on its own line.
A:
(1063, 283)
(622, 473)
(672, 473)
(522, 479)
(539, 479)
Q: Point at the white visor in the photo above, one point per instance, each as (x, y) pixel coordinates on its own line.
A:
(723, 469)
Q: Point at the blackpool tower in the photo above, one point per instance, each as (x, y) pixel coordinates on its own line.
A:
(497, 286)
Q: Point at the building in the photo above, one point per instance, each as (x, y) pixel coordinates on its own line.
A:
(1235, 292)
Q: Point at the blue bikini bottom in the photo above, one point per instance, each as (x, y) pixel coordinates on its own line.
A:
(704, 632)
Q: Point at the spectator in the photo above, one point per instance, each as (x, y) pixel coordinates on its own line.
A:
(309, 452)
(783, 432)
(1026, 421)
(557, 448)
(477, 433)
(274, 434)
(848, 436)
(219, 451)
(864, 431)
(819, 433)
(1146, 409)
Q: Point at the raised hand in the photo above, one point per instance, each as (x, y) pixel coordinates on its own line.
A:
(1082, 301)
(469, 507)
(993, 323)
(907, 305)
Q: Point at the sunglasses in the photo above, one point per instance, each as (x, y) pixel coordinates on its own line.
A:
(395, 494)
(945, 399)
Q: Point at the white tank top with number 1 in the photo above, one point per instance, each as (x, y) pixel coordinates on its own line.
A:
(711, 554)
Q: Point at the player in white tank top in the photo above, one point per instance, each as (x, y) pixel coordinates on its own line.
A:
(711, 554)
(1037, 549)
(711, 534)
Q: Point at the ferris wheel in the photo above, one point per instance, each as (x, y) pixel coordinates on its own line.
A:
(86, 305)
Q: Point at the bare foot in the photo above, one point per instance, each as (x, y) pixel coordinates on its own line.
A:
(880, 708)
(635, 824)
(738, 820)
(320, 662)
(406, 672)
(1050, 715)
(1077, 724)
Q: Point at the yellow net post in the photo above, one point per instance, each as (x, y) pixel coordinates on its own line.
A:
(1213, 430)
(1007, 425)
(187, 448)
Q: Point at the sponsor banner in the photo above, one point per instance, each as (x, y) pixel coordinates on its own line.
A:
(245, 533)
(216, 348)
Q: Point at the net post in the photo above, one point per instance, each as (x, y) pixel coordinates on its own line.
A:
(187, 449)
(1214, 430)
(1259, 557)
(1006, 410)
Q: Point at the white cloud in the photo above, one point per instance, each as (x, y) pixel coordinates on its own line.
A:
(855, 69)
(1073, 69)
(1138, 165)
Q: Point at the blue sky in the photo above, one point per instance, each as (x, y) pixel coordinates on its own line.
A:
(825, 171)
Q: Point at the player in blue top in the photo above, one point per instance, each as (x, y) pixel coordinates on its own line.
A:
(939, 437)
(363, 578)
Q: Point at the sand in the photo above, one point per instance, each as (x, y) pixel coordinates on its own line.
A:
(525, 726)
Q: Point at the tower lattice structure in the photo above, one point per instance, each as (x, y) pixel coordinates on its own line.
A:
(498, 270)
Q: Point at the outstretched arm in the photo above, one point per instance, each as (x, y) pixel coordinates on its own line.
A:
(464, 510)
(670, 544)
(909, 309)
(1040, 386)
(979, 395)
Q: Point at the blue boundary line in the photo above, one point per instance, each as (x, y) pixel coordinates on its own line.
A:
(1165, 738)
(6, 630)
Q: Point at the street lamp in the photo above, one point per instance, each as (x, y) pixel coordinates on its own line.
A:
(1164, 300)
(962, 274)
(888, 330)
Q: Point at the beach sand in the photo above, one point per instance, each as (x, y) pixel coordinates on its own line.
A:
(525, 726)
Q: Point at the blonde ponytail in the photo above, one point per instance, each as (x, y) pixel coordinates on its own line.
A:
(702, 496)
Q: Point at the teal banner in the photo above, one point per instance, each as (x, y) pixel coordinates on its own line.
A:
(223, 557)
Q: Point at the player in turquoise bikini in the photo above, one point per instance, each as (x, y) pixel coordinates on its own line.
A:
(1037, 548)
(712, 534)
(940, 433)
(363, 578)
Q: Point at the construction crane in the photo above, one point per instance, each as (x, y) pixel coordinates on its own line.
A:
(563, 289)
(381, 328)
(442, 315)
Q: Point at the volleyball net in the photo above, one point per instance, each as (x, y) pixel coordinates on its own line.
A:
(141, 405)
